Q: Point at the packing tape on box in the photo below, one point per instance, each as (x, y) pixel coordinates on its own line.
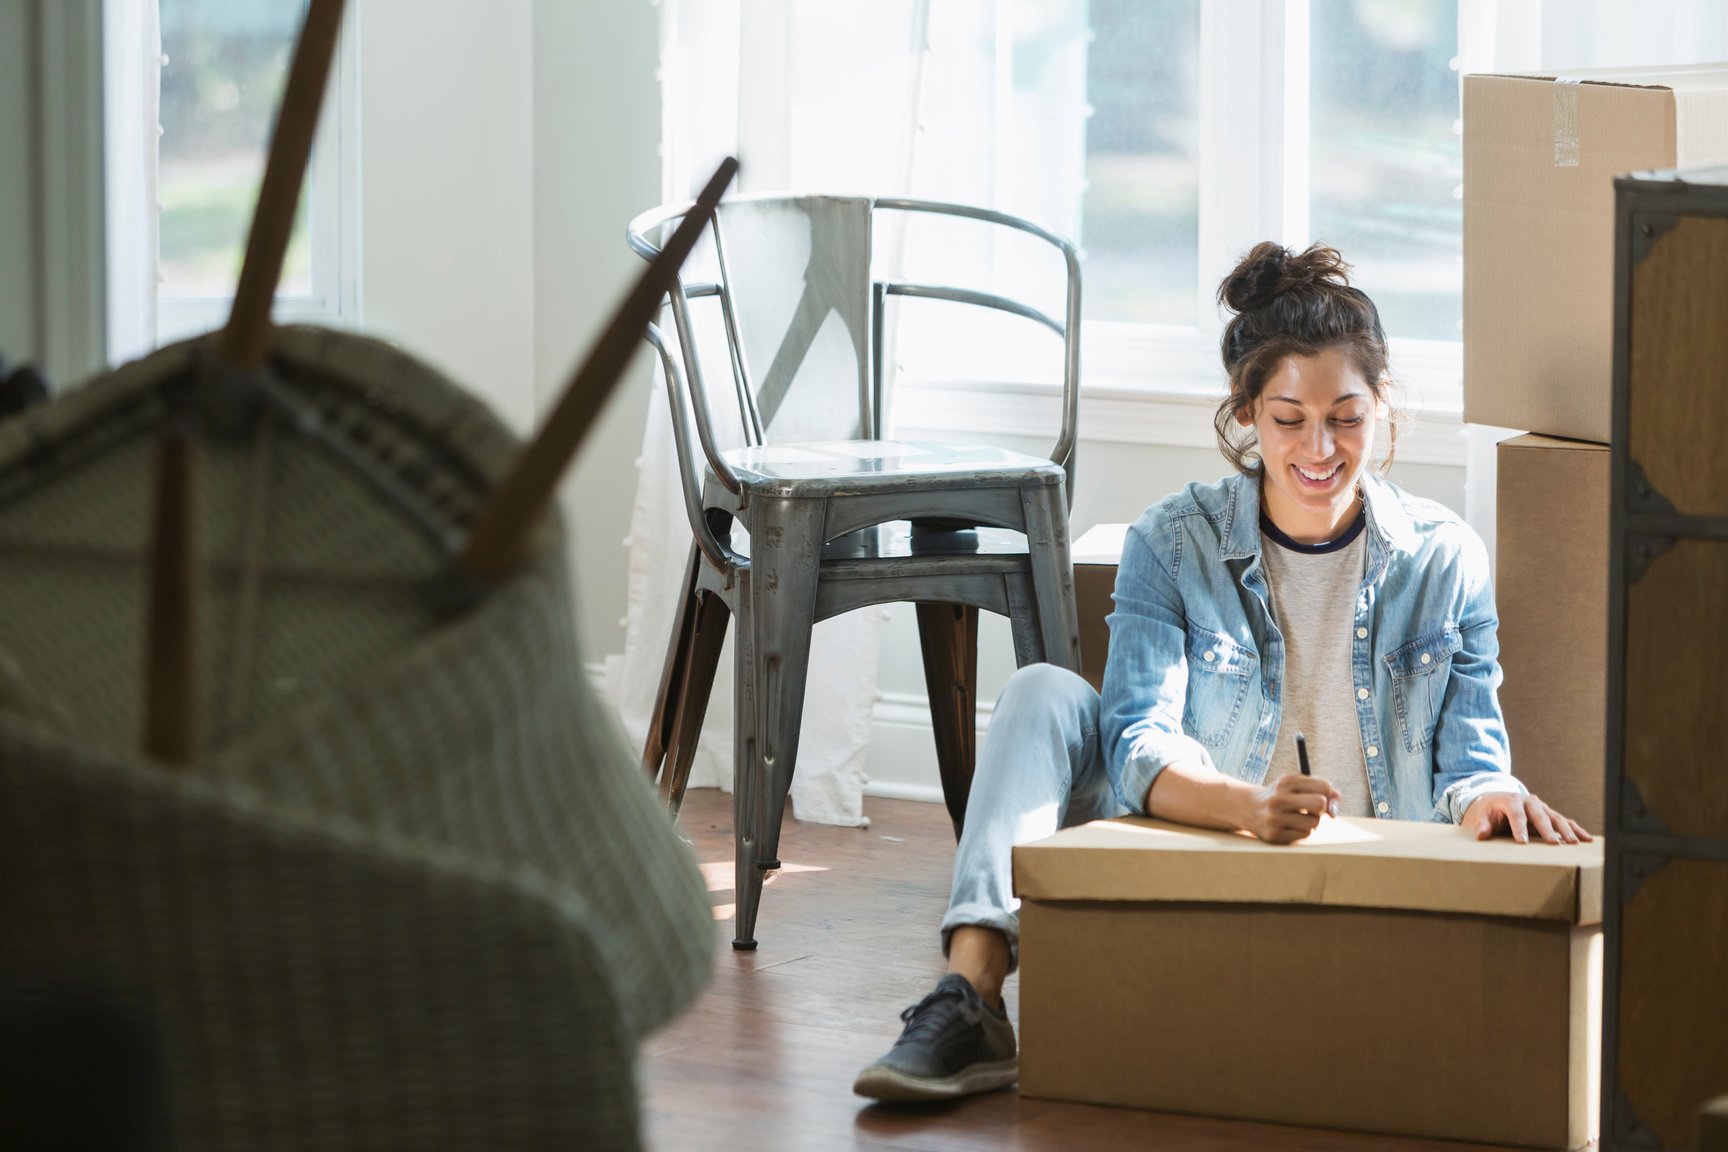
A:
(1566, 121)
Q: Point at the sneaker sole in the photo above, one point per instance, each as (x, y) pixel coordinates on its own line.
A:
(880, 1083)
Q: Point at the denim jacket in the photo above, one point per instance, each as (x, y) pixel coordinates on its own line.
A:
(1196, 661)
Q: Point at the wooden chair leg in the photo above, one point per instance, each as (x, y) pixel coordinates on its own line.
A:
(672, 676)
(948, 635)
(702, 661)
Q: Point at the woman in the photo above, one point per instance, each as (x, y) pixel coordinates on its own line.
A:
(1304, 594)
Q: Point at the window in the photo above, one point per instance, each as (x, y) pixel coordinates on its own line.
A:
(1385, 156)
(1216, 125)
(1141, 208)
(1165, 136)
(223, 69)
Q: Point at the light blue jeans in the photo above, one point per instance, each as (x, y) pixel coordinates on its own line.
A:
(1041, 769)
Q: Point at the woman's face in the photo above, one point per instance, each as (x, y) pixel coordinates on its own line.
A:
(1315, 421)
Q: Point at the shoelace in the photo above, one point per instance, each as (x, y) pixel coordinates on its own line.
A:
(926, 1019)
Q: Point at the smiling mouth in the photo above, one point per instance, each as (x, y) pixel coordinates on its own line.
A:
(1318, 477)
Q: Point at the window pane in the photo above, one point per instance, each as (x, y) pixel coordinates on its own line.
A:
(1386, 158)
(227, 61)
(1141, 209)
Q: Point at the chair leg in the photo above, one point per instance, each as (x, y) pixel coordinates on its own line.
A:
(702, 660)
(1046, 511)
(786, 542)
(672, 676)
(948, 635)
(746, 877)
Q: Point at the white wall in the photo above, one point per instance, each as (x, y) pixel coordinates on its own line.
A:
(596, 164)
(503, 148)
(447, 198)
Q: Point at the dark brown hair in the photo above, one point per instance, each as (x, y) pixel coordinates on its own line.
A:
(1293, 303)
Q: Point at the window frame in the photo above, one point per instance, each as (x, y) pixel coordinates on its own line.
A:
(333, 191)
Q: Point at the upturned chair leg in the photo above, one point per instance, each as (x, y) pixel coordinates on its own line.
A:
(785, 556)
(948, 635)
(702, 661)
(1046, 511)
(672, 676)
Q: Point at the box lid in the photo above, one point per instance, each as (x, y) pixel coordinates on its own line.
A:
(1347, 863)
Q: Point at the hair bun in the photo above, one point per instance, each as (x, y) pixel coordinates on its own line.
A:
(1270, 270)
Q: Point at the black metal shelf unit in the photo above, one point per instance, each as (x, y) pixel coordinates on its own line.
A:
(1665, 1003)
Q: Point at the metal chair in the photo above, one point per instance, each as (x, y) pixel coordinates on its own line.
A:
(837, 517)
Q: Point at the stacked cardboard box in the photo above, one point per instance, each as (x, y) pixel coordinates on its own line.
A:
(1551, 586)
(1540, 157)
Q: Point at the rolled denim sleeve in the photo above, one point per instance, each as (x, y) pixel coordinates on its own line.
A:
(1146, 674)
(1472, 757)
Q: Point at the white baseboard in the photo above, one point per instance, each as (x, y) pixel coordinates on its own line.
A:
(902, 758)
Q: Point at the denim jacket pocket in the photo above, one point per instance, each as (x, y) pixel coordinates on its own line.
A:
(1219, 672)
(1419, 675)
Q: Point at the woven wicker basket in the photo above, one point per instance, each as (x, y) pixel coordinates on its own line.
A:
(416, 893)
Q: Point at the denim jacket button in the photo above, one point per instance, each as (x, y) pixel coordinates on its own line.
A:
(1361, 693)
(1211, 656)
(1427, 659)
(1373, 751)
(1383, 807)
(1361, 633)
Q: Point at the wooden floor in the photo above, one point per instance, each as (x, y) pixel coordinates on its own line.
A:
(848, 938)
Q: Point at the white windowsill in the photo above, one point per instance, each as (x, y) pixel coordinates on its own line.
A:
(1140, 385)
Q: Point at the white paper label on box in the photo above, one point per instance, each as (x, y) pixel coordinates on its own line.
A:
(1565, 123)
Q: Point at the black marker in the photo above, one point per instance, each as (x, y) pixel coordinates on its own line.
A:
(1302, 754)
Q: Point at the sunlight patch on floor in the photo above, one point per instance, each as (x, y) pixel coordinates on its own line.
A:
(718, 875)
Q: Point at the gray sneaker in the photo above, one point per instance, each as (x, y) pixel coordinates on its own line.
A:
(953, 1045)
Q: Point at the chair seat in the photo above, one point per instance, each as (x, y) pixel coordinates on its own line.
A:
(824, 468)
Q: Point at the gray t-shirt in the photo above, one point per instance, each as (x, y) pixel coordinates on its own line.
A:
(1313, 600)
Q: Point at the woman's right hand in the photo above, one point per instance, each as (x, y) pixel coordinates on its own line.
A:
(1286, 810)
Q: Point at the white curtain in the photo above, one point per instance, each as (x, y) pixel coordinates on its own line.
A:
(886, 97)
(132, 65)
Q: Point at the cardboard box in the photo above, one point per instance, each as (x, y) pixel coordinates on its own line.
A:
(1540, 157)
(1096, 554)
(1385, 976)
(1551, 589)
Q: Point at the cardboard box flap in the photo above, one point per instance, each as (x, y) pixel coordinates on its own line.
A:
(1350, 863)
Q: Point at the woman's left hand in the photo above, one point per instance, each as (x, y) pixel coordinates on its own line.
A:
(1519, 814)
